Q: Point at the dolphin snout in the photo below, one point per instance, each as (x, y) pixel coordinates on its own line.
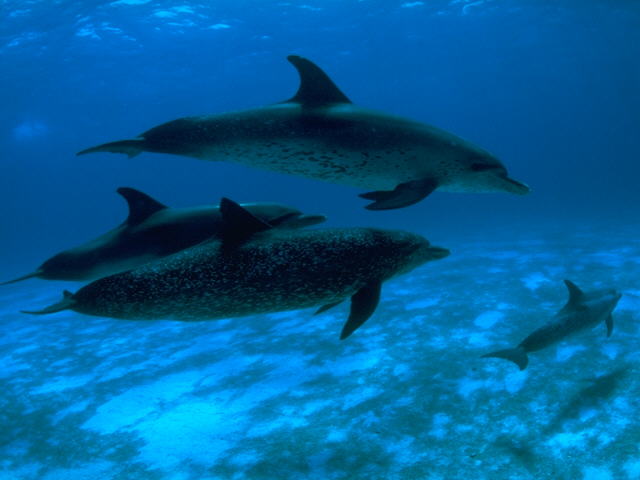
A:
(514, 186)
(438, 252)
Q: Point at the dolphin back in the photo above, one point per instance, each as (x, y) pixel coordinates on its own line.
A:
(517, 355)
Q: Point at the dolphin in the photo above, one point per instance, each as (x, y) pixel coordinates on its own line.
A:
(583, 310)
(257, 269)
(152, 231)
(319, 133)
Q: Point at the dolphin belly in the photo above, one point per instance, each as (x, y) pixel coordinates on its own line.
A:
(364, 168)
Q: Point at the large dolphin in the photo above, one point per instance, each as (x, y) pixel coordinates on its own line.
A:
(257, 269)
(583, 310)
(151, 231)
(319, 133)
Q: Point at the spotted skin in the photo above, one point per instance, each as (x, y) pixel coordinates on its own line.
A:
(275, 271)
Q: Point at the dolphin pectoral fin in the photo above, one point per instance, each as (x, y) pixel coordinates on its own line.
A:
(24, 277)
(609, 323)
(316, 88)
(326, 307)
(516, 355)
(131, 148)
(239, 223)
(66, 303)
(403, 195)
(363, 304)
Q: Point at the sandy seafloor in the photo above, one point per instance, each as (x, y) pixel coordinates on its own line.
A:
(280, 397)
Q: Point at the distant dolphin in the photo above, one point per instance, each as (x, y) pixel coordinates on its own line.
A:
(256, 269)
(583, 310)
(319, 133)
(152, 231)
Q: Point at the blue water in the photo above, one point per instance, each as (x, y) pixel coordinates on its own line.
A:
(552, 88)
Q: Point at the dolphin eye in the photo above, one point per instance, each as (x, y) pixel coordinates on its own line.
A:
(481, 167)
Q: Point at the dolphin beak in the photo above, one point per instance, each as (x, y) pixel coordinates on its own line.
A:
(438, 253)
(514, 186)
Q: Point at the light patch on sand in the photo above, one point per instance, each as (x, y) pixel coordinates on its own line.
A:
(596, 473)
(426, 303)
(343, 366)
(565, 352)
(336, 436)
(515, 381)
(587, 414)
(534, 280)
(193, 430)
(440, 421)
(480, 339)
(611, 350)
(563, 440)
(60, 384)
(219, 26)
(488, 319)
(467, 386)
(129, 408)
(76, 407)
(360, 395)
(632, 468)
(401, 370)
(411, 4)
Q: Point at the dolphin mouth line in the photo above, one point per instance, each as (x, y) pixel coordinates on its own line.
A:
(520, 188)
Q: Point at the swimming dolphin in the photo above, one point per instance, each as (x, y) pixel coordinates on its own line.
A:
(151, 231)
(257, 269)
(319, 133)
(583, 310)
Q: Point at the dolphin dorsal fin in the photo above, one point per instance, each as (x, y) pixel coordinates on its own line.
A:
(575, 294)
(316, 88)
(141, 205)
(239, 223)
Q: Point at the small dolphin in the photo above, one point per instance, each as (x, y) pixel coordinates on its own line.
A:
(152, 231)
(257, 269)
(319, 133)
(583, 310)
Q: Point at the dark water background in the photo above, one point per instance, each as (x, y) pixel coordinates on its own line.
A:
(550, 87)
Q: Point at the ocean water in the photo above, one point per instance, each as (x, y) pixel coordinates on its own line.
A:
(552, 88)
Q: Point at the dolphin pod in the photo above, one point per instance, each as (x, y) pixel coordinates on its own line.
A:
(152, 231)
(206, 262)
(319, 133)
(582, 310)
(258, 269)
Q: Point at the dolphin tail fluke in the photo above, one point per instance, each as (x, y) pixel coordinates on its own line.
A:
(65, 304)
(516, 355)
(24, 277)
(131, 148)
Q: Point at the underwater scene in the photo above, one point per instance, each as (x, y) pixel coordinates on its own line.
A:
(320, 239)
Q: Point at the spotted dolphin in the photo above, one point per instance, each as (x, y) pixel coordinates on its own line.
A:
(257, 269)
(583, 310)
(151, 231)
(319, 133)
